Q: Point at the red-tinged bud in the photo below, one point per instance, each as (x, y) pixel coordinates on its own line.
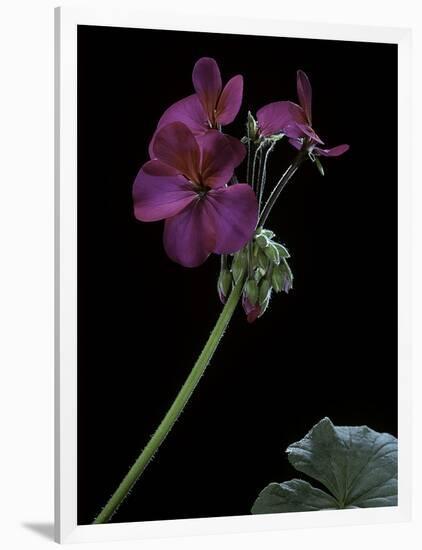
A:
(252, 311)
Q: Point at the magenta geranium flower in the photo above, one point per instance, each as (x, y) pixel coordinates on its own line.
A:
(186, 184)
(303, 117)
(281, 117)
(211, 107)
(295, 121)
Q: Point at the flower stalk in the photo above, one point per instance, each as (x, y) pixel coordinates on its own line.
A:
(176, 408)
(264, 173)
(282, 182)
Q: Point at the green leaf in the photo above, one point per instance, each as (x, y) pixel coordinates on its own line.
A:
(292, 496)
(357, 465)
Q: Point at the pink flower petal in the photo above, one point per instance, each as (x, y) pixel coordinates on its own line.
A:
(176, 146)
(234, 211)
(218, 159)
(297, 143)
(189, 111)
(206, 79)
(160, 192)
(238, 149)
(189, 236)
(333, 151)
(304, 92)
(230, 100)
(280, 117)
(306, 130)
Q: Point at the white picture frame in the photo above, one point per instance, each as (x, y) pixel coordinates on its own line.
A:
(66, 528)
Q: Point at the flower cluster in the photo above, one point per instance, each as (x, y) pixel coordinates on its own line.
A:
(267, 270)
(190, 182)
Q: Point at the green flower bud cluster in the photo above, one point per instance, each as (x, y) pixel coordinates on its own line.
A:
(270, 267)
(264, 262)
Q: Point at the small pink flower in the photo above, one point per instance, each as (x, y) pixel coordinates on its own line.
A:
(280, 117)
(211, 107)
(304, 122)
(186, 184)
(295, 121)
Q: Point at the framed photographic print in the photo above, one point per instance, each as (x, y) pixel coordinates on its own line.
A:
(232, 275)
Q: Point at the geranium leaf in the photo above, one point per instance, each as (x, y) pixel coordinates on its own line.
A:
(292, 496)
(356, 464)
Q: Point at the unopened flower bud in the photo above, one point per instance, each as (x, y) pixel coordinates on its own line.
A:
(251, 290)
(252, 127)
(282, 251)
(282, 277)
(288, 285)
(264, 290)
(288, 279)
(252, 311)
(272, 253)
(259, 273)
(262, 260)
(264, 306)
(239, 264)
(224, 284)
(277, 278)
(262, 241)
(267, 233)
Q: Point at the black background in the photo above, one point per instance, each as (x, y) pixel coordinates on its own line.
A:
(329, 348)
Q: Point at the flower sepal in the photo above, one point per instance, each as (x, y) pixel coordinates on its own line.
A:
(319, 166)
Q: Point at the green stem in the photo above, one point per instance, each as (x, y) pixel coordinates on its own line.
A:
(264, 173)
(258, 179)
(176, 408)
(257, 150)
(285, 178)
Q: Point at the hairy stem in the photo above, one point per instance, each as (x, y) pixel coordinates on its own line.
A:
(260, 153)
(282, 182)
(264, 173)
(257, 150)
(176, 408)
